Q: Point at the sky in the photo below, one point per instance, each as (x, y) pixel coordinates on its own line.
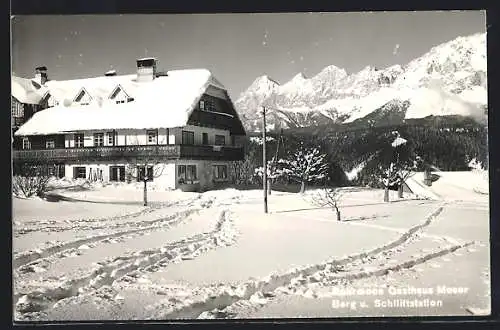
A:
(237, 48)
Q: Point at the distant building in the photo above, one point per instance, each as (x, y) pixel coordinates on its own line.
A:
(110, 126)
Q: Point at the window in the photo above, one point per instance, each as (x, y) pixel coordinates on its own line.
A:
(116, 92)
(26, 143)
(111, 138)
(220, 140)
(205, 138)
(79, 140)
(187, 137)
(202, 105)
(50, 144)
(186, 173)
(152, 136)
(98, 139)
(220, 172)
(80, 96)
(51, 171)
(17, 108)
(141, 171)
(209, 105)
(79, 172)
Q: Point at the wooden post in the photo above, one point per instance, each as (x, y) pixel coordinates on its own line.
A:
(264, 160)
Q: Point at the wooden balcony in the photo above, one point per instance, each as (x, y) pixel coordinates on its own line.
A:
(129, 153)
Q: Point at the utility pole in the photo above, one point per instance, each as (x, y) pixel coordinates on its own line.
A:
(264, 160)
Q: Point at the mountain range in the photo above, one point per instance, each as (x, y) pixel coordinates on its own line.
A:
(450, 79)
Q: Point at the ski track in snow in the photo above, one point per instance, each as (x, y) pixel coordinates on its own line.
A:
(91, 223)
(122, 269)
(226, 301)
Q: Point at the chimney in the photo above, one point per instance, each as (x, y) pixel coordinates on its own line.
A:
(146, 69)
(110, 73)
(41, 75)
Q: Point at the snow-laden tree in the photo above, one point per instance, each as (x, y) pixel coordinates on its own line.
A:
(305, 165)
(395, 164)
(276, 169)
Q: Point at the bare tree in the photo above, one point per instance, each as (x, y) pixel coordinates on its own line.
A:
(30, 180)
(329, 197)
(145, 172)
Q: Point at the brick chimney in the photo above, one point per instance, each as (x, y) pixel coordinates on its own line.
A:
(41, 75)
(146, 69)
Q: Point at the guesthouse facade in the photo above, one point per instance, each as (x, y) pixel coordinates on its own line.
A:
(178, 128)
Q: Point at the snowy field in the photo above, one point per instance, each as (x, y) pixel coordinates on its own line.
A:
(96, 253)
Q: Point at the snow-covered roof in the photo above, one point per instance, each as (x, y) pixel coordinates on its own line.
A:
(25, 90)
(166, 101)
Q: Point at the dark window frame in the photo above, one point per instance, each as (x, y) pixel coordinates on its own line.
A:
(204, 138)
(141, 170)
(187, 137)
(220, 172)
(151, 133)
(111, 138)
(52, 142)
(98, 139)
(187, 173)
(77, 172)
(26, 146)
(220, 140)
(79, 143)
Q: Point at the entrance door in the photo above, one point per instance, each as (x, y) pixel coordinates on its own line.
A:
(117, 173)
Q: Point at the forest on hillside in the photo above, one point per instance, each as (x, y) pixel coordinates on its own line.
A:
(448, 144)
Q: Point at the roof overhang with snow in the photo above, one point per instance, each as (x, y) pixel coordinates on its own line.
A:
(166, 101)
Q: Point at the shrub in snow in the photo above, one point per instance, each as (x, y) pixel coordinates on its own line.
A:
(243, 171)
(305, 165)
(31, 181)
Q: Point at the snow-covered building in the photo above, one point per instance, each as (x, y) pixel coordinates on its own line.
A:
(27, 97)
(113, 127)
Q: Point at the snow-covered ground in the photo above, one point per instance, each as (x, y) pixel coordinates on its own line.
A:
(100, 254)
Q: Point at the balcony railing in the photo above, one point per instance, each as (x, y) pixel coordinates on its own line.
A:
(125, 153)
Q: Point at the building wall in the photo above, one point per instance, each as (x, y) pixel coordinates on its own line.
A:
(132, 137)
(198, 134)
(168, 172)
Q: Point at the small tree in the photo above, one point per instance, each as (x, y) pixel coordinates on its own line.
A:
(30, 180)
(306, 165)
(275, 170)
(145, 172)
(329, 197)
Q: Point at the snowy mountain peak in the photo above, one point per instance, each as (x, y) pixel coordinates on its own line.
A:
(299, 77)
(263, 85)
(450, 78)
(264, 80)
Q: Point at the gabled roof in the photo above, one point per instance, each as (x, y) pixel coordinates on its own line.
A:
(118, 87)
(82, 90)
(166, 101)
